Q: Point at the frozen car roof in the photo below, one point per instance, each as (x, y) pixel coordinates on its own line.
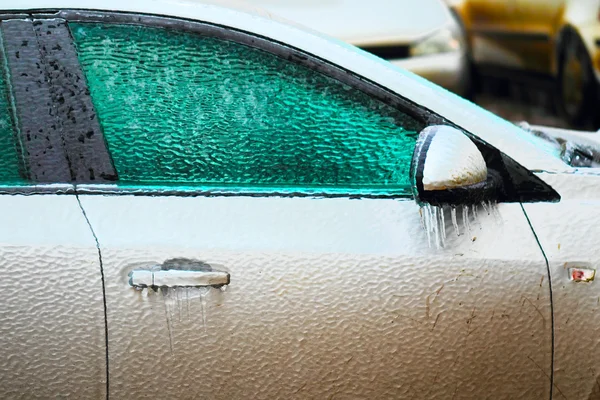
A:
(531, 152)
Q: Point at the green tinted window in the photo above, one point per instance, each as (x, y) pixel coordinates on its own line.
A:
(10, 161)
(179, 108)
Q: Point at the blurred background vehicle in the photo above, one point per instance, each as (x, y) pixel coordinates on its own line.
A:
(552, 42)
(422, 36)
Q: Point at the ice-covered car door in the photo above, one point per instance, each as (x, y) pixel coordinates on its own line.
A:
(236, 163)
(52, 330)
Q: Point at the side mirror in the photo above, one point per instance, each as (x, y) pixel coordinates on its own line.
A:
(448, 169)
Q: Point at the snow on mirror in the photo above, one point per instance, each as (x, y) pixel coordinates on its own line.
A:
(450, 180)
(450, 159)
(447, 168)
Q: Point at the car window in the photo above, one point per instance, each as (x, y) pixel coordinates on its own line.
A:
(178, 108)
(10, 160)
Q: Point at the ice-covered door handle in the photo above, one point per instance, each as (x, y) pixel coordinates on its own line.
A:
(177, 278)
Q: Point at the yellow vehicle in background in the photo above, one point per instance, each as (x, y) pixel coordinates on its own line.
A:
(559, 39)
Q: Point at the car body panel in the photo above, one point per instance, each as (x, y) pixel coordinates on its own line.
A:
(522, 147)
(52, 333)
(327, 297)
(568, 232)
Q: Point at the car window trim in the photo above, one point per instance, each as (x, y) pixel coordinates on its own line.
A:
(83, 139)
(38, 189)
(57, 130)
(36, 122)
(250, 39)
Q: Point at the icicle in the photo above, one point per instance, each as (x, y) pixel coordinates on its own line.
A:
(422, 218)
(168, 315)
(203, 292)
(485, 207)
(178, 299)
(428, 224)
(436, 227)
(187, 303)
(476, 216)
(443, 224)
(168, 296)
(496, 212)
(454, 222)
(466, 219)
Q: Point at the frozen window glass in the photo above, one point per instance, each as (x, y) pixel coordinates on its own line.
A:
(183, 109)
(10, 160)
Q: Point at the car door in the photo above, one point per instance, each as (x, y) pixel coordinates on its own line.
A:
(52, 321)
(568, 232)
(286, 180)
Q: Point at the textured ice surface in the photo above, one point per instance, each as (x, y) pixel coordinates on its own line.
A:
(9, 158)
(186, 109)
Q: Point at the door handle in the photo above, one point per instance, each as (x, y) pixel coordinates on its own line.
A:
(177, 278)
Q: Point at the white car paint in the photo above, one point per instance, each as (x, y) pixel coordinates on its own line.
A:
(499, 133)
(52, 330)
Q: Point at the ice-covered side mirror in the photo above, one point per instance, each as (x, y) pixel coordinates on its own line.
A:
(448, 168)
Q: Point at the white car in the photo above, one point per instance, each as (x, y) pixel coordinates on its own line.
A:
(422, 36)
(204, 202)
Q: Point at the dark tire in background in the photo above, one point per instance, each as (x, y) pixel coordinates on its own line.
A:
(577, 88)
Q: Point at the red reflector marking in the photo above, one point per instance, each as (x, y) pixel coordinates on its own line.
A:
(582, 274)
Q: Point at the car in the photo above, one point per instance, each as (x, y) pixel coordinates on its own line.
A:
(423, 37)
(558, 39)
(203, 201)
